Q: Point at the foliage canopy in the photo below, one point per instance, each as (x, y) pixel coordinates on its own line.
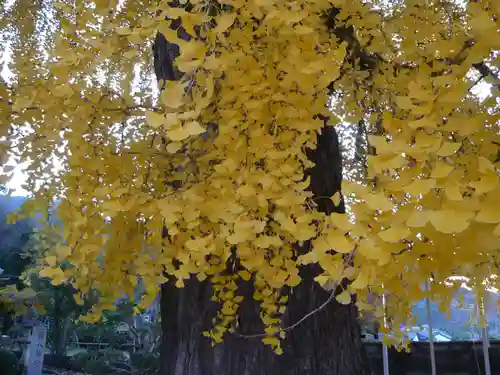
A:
(218, 157)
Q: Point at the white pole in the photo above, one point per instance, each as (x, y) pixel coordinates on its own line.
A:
(486, 347)
(431, 336)
(485, 340)
(385, 350)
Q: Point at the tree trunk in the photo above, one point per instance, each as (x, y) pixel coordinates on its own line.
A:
(8, 320)
(62, 324)
(61, 342)
(327, 343)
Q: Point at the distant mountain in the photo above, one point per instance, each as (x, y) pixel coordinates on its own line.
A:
(9, 204)
(13, 237)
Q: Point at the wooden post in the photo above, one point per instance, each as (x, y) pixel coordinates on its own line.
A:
(36, 349)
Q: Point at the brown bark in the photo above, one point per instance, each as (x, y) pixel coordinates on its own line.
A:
(327, 343)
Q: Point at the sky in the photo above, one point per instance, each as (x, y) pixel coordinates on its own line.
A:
(19, 175)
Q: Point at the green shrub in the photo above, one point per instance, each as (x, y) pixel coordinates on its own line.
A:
(102, 362)
(9, 363)
(145, 363)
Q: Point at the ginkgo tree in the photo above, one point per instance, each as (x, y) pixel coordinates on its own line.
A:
(220, 181)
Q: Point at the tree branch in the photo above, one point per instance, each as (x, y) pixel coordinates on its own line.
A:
(330, 298)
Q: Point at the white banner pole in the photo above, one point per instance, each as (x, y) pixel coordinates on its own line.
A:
(485, 339)
(385, 349)
(431, 335)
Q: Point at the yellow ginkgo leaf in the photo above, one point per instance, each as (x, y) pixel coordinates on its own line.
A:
(341, 222)
(186, 65)
(449, 221)
(452, 191)
(271, 341)
(78, 299)
(404, 102)
(201, 276)
(481, 22)
(192, 50)
(322, 279)
(336, 198)
(321, 244)
(155, 119)
(303, 30)
(378, 202)
(265, 3)
(55, 274)
(394, 234)
(265, 242)
(224, 22)
(485, 165)
(51, 260)
(245, 275)
(173, 147)
(240, 235)
(417, 91)
(178, 134)
(361, 281)
(228, 309)
(418, 219)
(487, 183)
(194, 128)
(424, 122)
(179, 283)
(369, 249)
(489, 214)
(344, 298)
(63, 252)
(381, 144)
(123, 30)
(246, 191)
(448, 148)
(339, 242)
(441, 170)
(420, 187)
(172, 96)
(131, 53)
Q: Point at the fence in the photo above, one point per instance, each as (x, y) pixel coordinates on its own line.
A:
(452, 358)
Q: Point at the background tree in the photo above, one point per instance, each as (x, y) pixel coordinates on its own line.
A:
(231, 173)
(55, 302)
(13, 238)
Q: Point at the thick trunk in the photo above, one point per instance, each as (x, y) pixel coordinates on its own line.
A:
(327, 343)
